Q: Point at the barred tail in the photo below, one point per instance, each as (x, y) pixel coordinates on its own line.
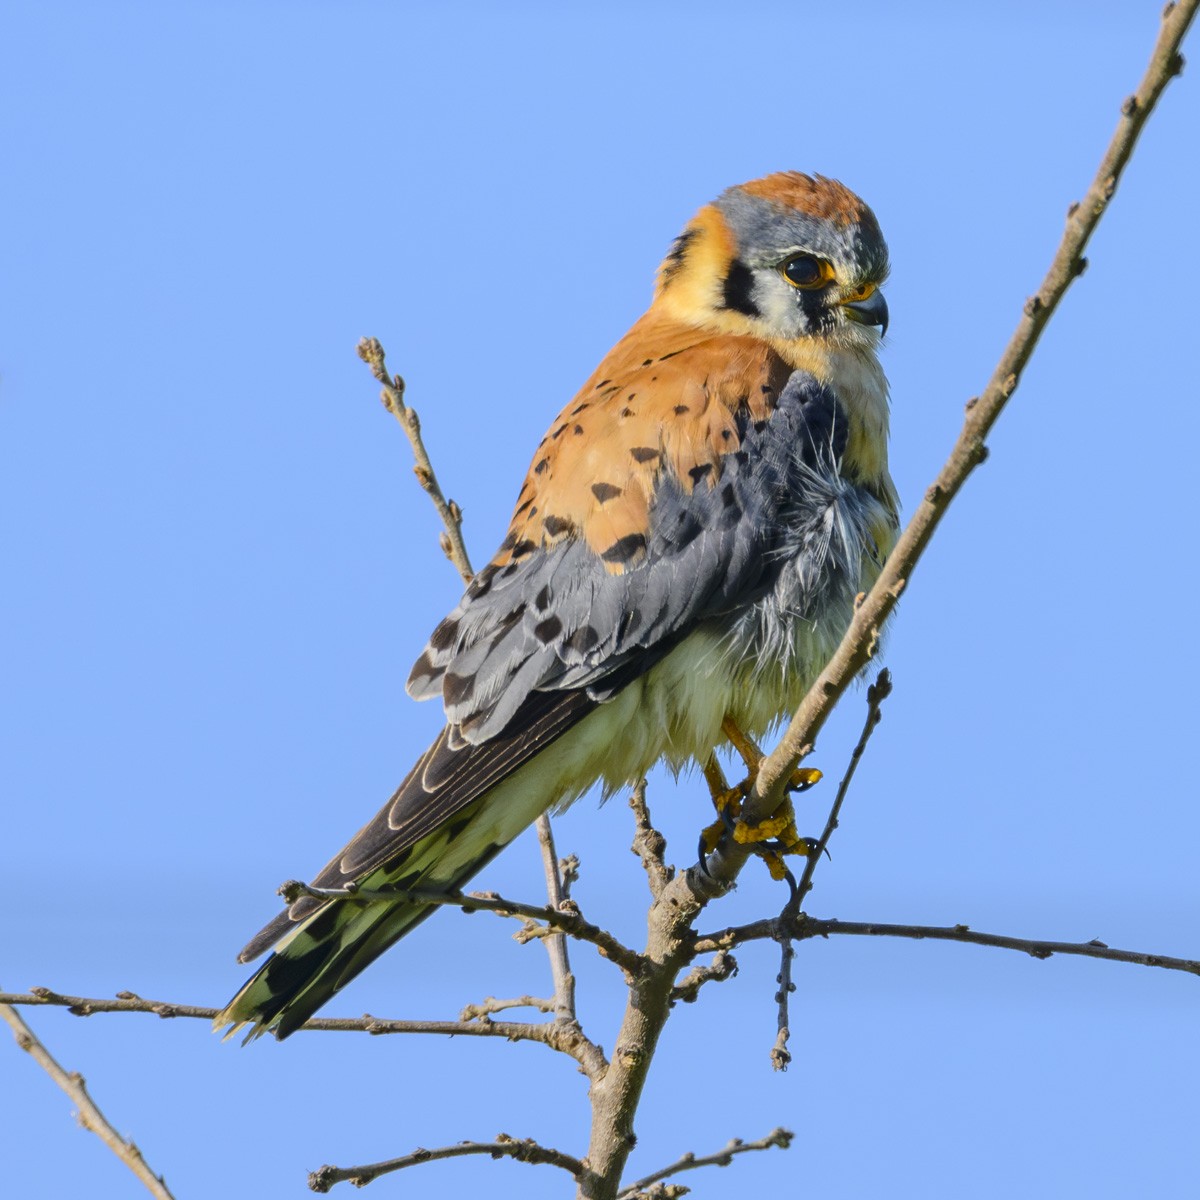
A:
(317, 958)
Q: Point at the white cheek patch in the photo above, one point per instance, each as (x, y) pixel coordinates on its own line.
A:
(780, 307)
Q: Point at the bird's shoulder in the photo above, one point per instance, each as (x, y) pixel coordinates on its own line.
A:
(669, 401)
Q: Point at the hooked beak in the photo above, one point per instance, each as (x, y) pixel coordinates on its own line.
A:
(872, 310)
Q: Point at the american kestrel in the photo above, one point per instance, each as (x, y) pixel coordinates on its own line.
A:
(684, 556)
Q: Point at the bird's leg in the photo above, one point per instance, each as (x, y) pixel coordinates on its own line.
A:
(779, 828)
(726, 800)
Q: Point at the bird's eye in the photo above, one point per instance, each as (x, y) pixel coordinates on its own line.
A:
(806, 271)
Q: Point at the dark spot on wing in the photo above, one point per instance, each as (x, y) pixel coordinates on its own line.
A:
(556, 525)
(622, 550)
(583, 639)
(546, 631)
(457, 688)
(445, 635)
(644, 454)
(423, 668)
(698, 473)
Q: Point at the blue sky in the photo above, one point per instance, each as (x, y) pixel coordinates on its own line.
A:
(218, 570)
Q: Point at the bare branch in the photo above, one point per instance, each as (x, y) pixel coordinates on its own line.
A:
(781, 1056)
(802, 927)
(723, 966)
(556, 944)
(88, 1113)
(371, 352)
(491, 1005)
(567, 919)
(648, 844)
(861, 639)
(526, 1150)
(877, 693)
(963, 933)
(555, 1035)
(689, 1162)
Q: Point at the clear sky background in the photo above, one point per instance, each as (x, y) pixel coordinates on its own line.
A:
(217, 570)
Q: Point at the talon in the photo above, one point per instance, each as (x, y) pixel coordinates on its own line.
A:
(803, 778)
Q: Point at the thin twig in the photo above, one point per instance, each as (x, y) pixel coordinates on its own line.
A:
(567, 919)
(525, 1150)
(1037, 948)
(781, 1056)
(689, 1162)
(473, 1012)
(88, 1113)
(556, 944)
(648, 844)
(803, 927)
(723, 966)
(552, 1034)
(371, 352)
(861, 639)
(877, 693)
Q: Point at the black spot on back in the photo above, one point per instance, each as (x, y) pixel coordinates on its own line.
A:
(556, 525)
(698, 473)
(605, 491)
(644, 454)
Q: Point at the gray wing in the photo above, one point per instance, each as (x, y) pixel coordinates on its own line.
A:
(558, 620)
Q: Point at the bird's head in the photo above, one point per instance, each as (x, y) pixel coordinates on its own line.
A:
(784, 258)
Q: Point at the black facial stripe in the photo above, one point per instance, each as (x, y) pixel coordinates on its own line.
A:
(816, 310)
(738, 288)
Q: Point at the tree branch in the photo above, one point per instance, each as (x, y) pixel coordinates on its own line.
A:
(557, 889)
(555, 1035)
(567, 919)
(802, 927)
(526, 1150)
(88, 1113)
(473, 1012)
(877, 693)
(861, 639)
(723, 966)
(371, 352)
(689, 1162)
(648, 844)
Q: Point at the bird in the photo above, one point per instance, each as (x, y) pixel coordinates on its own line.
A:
(684, 556)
